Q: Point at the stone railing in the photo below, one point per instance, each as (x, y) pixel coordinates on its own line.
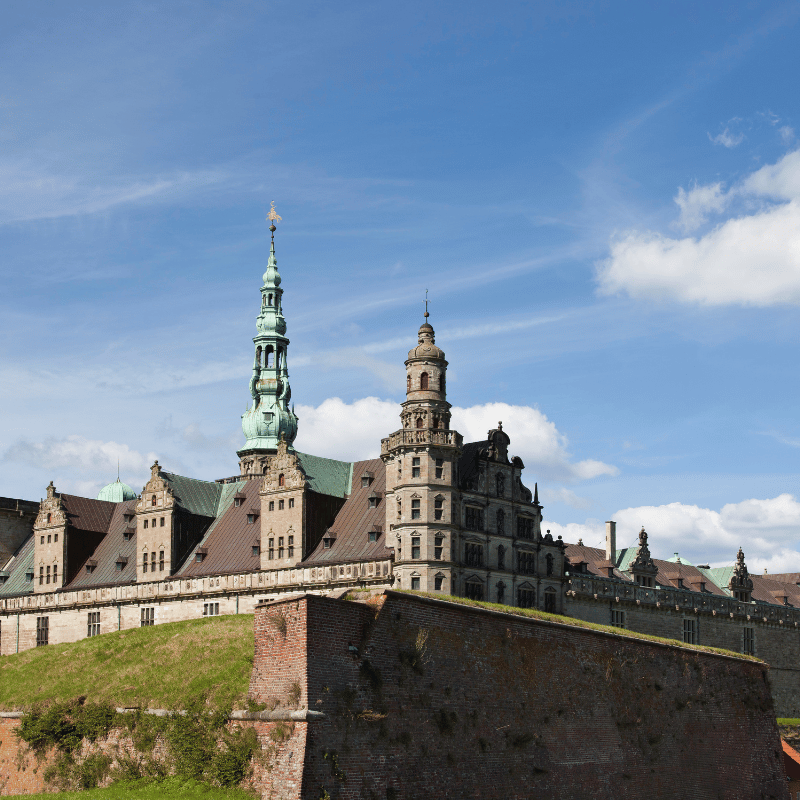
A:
(434, 436)
(290, 579)
(597, 588)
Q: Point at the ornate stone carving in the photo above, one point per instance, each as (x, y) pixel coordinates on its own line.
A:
(284, 463)
(51, 510)
(157, 486)
(643, 563)
(740, 580)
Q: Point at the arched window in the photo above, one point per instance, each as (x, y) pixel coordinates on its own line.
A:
(153, 500)
(258, 355)
(549, 563)
(501, 560)
(501, 522)
(441, 381)
(423, 381)
(281, 480)
(419, 422)
(269, 356)
(408, 383)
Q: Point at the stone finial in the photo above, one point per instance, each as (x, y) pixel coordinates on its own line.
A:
(740, 579)
(643, 563)
(51, 491)
(155, 469)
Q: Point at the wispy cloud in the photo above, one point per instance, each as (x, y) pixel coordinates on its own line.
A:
(727, 139)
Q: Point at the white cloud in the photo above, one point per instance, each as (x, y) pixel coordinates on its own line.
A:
(727, 139)
(787, 134)
(752, 259)
(563, 495)
(353, 430)
(767, 530)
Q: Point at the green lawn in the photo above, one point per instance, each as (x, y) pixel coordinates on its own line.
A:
(172, 788)
(164, 666)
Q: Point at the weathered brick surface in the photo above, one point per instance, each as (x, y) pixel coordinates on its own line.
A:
(445, 701)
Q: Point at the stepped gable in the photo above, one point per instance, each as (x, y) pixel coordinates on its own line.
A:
(355, 519)
(230, 539)
(112, 548)
(17, 566)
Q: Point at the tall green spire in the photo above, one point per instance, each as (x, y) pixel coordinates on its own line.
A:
(268, 418)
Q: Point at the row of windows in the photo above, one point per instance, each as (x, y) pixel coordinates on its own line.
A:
(210, 609)
(153, 522)
(44, 576)
(49, 535)
(526, 597)
(271, 506)
(153, 561)
(289, 551)
(474, 520)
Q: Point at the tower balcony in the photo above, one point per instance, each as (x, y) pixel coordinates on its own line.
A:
(412, 436)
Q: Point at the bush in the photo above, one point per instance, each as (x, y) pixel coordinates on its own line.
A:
(230, 765)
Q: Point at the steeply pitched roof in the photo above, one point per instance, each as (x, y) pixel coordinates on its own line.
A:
(327, 475)
(355, 519)
(20, 563)
(230, 538)
(196, 497)
(107, 552)
(86, 514)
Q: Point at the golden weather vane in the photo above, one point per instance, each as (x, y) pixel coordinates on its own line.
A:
(273, 217)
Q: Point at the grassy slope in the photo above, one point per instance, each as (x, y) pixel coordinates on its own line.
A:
(174, 788)
(163, 666)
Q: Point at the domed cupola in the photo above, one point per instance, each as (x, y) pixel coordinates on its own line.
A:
(269, 417)
(116, 492)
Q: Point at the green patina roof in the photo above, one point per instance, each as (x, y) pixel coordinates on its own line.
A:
(720, 575)
(197, 497)
(21, 563)
(116, 492)
(326, 475)
(624, 558)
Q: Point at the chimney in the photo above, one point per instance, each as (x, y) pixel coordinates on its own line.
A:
(611, 542)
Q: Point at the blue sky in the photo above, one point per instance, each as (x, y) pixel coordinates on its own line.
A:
(603, 200)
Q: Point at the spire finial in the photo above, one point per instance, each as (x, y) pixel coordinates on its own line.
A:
(426, 305)
(118, 470)
(272, 218)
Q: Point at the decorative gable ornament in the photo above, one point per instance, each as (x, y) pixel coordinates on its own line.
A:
(643, 563)
(158, 486)
(51, 510)
(283, 470)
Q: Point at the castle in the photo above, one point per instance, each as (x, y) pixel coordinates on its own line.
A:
(431, 513)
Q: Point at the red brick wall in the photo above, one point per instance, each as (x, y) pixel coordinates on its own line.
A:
(17, 776)
(445, 701)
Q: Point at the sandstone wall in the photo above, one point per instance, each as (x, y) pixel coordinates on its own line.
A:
(428, 699)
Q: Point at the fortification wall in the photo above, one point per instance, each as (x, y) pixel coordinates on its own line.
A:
(424, 698)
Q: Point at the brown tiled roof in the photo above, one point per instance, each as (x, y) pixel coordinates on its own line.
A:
(88, 515)
(112, 545)
(594, 558)
(229, 541)
(355, 519)
(768, 590)
(785, 577)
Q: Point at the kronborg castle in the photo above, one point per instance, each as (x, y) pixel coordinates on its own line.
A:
(429, 512)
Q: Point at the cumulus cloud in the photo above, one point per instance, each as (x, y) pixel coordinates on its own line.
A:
(767, 530)
(353, 430)
(751, 259)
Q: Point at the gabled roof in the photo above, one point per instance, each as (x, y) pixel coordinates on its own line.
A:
(327, 475)
(355, 520)
(86, 514)
(196, 497)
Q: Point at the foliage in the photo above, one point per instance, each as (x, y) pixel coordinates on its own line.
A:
(788, 721)
(162, 666)
(65, 725)
(229, 765)
(172, 788)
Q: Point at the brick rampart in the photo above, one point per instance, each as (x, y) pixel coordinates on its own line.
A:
(429, 699)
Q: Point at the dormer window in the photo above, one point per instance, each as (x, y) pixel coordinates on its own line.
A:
(252, 516)
(366, 480)
(374, 499)
(200, 553)
(238, 499)
(91, 565)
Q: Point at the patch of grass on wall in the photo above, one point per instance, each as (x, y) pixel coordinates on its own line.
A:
(163, 666)
(151, 790)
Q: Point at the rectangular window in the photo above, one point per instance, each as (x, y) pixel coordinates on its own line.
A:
(48, 538)
(291, 502)
(526, 598)
(690, 631)
(473, 590)
(526, 563)
(280, 547)
(42, 631)
(210, 609)
(148, 617)
(55, 573)
(617, 618)
(525, 527)
(237, 501)
(251, 518)
(47, 575)
(271, 549)
(473, 554)
(440, 468)
(437, 550)
(145, 525)
(271, 505)
(160, 560)
(437, 583)
(373, 536)
(42, 540)
(415, 468)
(153, 561)
(41, 575)
(162, 522)
(144, 562)
(415, 583)
(415, 547)
(749, 641)
(416, 512)
(291, 547)
(438, 508)
(473, 518)
(280, 505)
(93, 624)
(126, 535)
(55, 537)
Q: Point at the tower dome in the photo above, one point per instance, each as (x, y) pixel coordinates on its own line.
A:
(116, 492)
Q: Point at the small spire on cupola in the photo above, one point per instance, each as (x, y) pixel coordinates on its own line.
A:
(535, 492)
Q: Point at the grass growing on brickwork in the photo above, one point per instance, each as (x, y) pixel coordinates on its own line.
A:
(172, 787)
(163, 666)
(792, 721)
(578, 623)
